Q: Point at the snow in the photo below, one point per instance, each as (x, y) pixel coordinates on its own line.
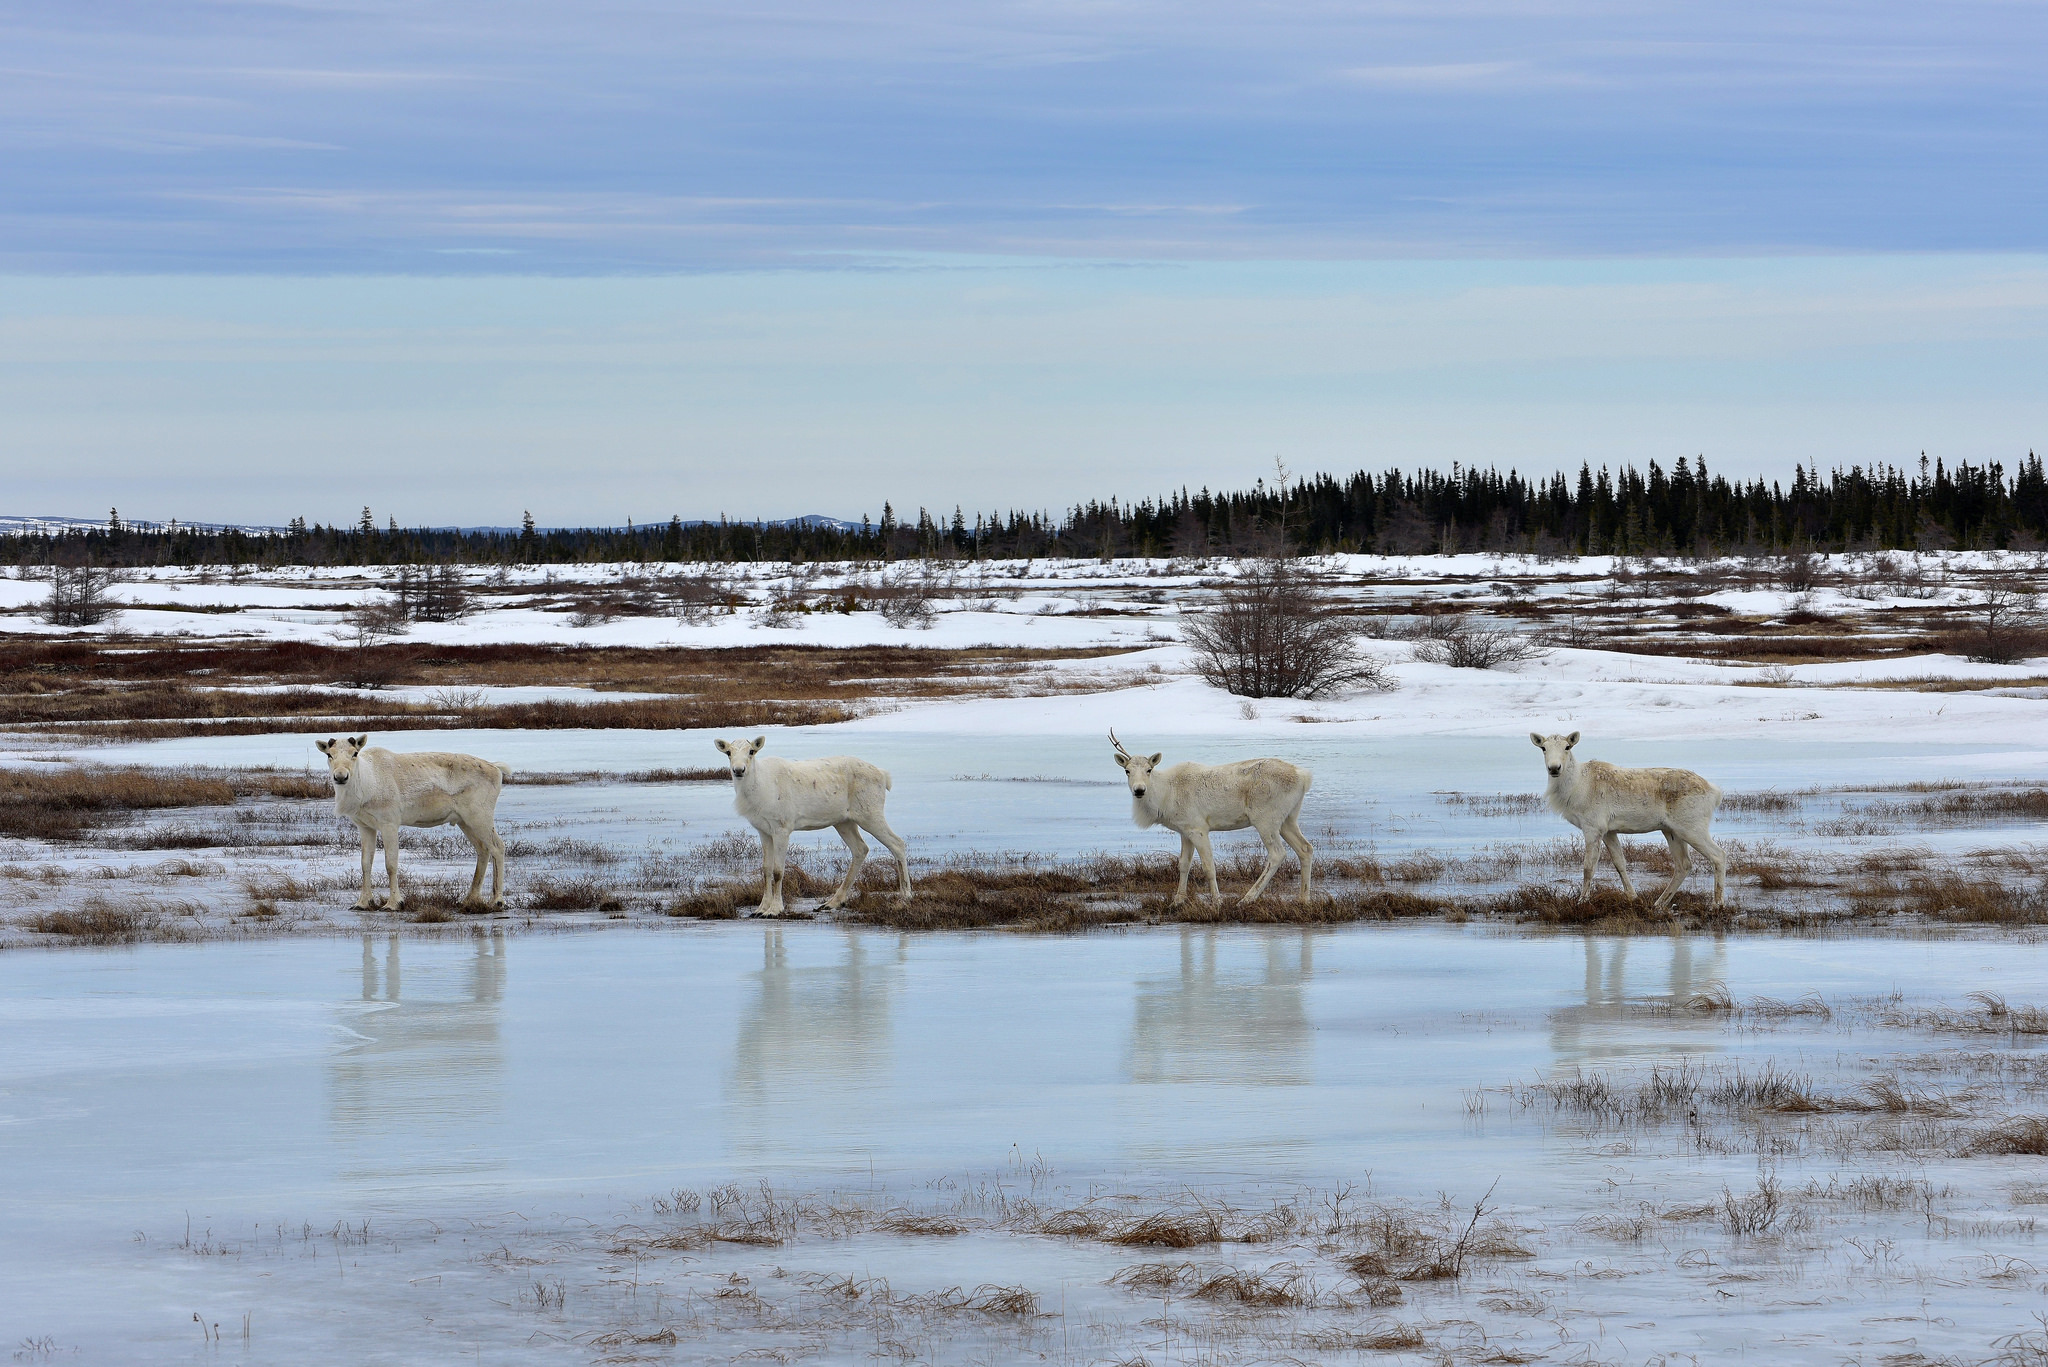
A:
(1022, 603)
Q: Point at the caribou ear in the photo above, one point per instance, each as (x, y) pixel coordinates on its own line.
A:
(358, 742)
(1157, 756)
(1535, 740)
(323, 746)
(723, 748)
(1571, 740)
(1122, 761)
(759, 743)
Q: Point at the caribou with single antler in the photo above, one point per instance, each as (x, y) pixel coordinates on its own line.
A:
(1194, 799)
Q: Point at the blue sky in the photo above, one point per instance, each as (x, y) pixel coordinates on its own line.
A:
(797, 257)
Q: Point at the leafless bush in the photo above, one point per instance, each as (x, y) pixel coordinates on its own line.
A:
(700, 594)
(2010, 630)
(1460, 642)
(905, 598)
(1273, 634)
(1905, 578)
(1754, 1214)
(630, 595)
(1798, 571)
(80, 595)
(368, 623)
(1573, 632)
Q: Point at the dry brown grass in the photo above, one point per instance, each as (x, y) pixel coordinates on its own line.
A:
(1951, 896)
(1991, 1015)
(912, 1223)
(2022, 1135)
(1275, 1288)
(563, 778)
(1190, 1228)
(97, 921)
(50, 802)
(1386, 1338)
(86, 688)
(572, 892)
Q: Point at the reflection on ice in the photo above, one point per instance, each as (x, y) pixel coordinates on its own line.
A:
(427, 1080)
(1598, 1027)
(813, 1035)
(1244, 1027)
(495, 1134)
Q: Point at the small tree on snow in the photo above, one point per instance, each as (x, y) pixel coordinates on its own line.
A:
(1274, 634)
(80, 595)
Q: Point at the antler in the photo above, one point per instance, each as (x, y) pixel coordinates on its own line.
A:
(1118, 744)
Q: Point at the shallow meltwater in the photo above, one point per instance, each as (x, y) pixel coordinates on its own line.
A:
(1061, 795)
(808, 1142)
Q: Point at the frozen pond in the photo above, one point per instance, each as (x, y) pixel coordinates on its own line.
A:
(170, 1113)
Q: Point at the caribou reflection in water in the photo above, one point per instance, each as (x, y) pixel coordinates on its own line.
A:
(412, 1096)
(814, 1035)
(1588, 1030)
(1244, 1024)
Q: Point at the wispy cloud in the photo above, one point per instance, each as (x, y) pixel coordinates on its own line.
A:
(1440, 75)
(684, 134)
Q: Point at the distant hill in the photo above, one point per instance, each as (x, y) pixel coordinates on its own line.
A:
(28, 524)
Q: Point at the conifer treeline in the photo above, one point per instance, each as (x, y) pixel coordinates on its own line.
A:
(1683, 511)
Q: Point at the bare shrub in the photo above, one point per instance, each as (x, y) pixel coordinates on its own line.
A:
(81, 595)
(699, 595)
(1754, 1214)
(368, 623)
(1273, 634)
(2009, 630)
(1573, 632)
(629, 595)
(905, 598)
(1798, 571)
(1460, 642)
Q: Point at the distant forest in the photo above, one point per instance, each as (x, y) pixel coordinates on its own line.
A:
(1685, 511)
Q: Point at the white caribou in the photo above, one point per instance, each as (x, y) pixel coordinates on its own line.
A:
(780, 796)
(1194, 799)
(1607, 802)
(381, 791)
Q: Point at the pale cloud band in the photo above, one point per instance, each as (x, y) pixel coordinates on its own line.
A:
(994, 384)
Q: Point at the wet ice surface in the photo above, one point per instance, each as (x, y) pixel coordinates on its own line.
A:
(391, 1150)
(1060, 795)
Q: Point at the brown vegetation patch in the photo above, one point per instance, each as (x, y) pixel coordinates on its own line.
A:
(99, 922)
(572, 892)
(1169, 1229)
(168, 689)
(1951, 896)
(50, 802)
(2022, 1135)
